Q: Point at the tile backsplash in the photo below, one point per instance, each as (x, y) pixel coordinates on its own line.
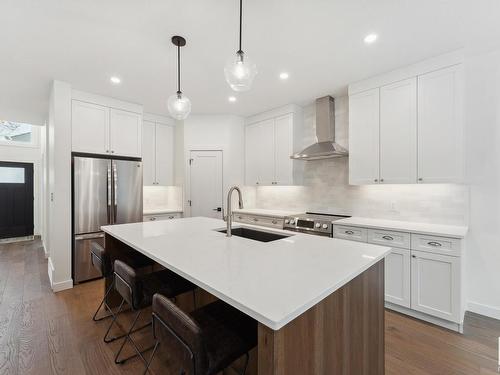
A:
(158, 197)
(325, 188)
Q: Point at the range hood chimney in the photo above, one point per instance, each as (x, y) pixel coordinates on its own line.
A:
(326, 147)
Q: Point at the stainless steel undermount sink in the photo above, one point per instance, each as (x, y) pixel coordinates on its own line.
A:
(254, 234)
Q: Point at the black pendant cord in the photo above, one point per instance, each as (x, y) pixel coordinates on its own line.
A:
(179, 69)
(241, 19)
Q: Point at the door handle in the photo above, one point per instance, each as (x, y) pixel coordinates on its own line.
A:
(218, 209)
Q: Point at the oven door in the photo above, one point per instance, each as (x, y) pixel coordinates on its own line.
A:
(309, 231)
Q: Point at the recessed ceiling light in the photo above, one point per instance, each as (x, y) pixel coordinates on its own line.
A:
(284, 75)
(232, 99)
(370, 38)
(115, 80)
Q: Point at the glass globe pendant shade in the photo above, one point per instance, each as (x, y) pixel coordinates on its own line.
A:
(179, 106)
(240, 72)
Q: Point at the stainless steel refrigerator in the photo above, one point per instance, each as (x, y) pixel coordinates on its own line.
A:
(105, 191)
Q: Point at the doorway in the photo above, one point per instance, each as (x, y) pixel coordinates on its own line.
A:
(16, 199)
(206, 183)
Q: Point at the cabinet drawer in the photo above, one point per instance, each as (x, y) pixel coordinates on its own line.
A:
(175, 215)
(435, 244)
(350, 233)
(265, 221)
(389, 238)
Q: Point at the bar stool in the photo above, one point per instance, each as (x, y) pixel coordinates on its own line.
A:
(138, 290)
(102, 262)
(213, 336)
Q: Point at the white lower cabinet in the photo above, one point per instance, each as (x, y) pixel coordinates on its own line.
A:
(397, 277)
(435, 285)
(423, 274)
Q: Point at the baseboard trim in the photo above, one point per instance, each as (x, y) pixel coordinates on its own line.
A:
(45, 251)
(427, 318)
(62, 285)
(486, 310)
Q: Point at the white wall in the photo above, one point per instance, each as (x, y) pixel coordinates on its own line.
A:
(482, 136)
(59, 176)
(29, 154)
(218, 132)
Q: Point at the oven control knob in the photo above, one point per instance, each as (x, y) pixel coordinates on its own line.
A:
(325, 226)
(287, 221)
(292, 221)
(317, 225)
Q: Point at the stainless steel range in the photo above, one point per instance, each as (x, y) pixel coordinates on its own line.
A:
(312, 223)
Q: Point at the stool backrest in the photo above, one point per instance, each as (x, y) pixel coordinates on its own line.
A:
(128, 284)
(171, 322)
(100, 259)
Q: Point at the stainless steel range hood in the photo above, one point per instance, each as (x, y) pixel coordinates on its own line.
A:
(326, 147)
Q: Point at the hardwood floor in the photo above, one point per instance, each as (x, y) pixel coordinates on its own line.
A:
(46, 333)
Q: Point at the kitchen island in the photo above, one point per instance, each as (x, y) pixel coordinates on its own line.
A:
(319, 301)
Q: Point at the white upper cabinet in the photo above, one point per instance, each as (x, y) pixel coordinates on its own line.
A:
(89, 127)
(406, 126)
(440, 134)
(125, 133)
(398, 132)
(260, 153)
(99, 129)
(164, 145)
(283, 142)
(148, 153)
(158, 153)
(364, 137)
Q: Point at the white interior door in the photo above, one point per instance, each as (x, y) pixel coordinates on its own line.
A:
(206, 183)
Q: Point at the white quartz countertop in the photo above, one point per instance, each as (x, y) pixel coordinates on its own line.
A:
(406, 226)
(159, 211)
(265, 212)
(272, 282)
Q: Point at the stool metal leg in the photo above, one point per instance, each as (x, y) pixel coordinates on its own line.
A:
(246, 364)
(157, 343)
(103, 302)
(106, 339)
(128, 338)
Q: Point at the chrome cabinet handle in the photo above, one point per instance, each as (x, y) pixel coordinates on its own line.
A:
(413, 256)
(349, 232)
(433, 243)
(388, 238)
(381, 180)
(376, 180)
(255, 219)
(152, 218)
(171, 217)
(274, 222)
(420, 179)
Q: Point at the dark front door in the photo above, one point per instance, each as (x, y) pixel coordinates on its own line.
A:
(16, 199)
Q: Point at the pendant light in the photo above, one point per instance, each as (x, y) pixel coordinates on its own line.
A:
(178, 104)
(240, 70)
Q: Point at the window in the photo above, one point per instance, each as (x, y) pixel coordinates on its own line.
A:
(11, 175)
(16, 132)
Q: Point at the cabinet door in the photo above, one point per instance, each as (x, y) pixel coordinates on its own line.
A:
(397, 277)
(440, 129)
(259, 153)
(435, 285)
(148, 153)
(283, 150)
(89, 128)
(398, 132)
(125, 133)
(164, 154)
(364, 138)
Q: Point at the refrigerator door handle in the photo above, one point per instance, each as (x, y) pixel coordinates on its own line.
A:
(109, 195)
(89, 236)
(115, 193)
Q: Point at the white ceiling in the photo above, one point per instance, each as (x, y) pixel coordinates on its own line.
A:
(319, 42)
